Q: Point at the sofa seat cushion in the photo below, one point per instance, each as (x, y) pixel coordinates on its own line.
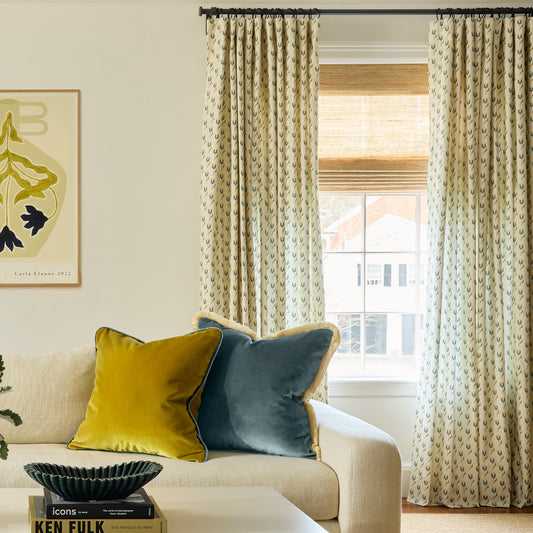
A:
(309, 484)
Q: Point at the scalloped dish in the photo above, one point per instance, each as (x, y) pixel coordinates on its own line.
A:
(98, 483)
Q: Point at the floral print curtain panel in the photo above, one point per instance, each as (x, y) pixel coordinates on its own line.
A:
(261, 254)
(474, 419)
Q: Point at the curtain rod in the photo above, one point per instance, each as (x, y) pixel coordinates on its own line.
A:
(217, 11)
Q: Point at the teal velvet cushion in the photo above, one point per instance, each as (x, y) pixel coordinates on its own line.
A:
(256, 395)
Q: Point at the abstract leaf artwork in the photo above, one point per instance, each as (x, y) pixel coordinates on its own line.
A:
(39, 187)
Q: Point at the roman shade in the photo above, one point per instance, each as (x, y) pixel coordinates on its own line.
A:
(373, 128)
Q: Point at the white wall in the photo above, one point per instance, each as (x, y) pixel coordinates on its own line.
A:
(140, 70)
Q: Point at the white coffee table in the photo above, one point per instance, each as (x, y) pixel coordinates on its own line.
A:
(193, 510)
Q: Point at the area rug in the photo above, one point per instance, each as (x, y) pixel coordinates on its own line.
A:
(466, 523)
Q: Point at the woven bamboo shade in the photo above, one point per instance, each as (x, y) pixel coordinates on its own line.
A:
(373, 128)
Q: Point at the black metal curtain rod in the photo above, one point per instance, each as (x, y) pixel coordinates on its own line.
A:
(481, 11)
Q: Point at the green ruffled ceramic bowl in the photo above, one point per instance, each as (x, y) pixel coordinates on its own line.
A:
(100, 483)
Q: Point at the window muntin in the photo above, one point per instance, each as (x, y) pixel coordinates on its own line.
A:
(382, 289)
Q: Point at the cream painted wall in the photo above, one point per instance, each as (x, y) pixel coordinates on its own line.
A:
(140, 68)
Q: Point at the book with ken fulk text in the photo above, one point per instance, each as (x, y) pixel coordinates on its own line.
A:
(40, 524)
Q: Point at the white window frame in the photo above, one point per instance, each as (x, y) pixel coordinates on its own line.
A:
(354, 53)
(418, 252)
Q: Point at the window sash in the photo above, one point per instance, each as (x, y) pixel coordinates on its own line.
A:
(363, 316)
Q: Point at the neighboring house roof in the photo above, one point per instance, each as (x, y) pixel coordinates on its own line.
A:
(347, 229)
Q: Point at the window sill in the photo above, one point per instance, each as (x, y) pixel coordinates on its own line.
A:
(372, 387)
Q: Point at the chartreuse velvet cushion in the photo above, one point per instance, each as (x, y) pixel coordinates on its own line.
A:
(146, 395)
(256, 395)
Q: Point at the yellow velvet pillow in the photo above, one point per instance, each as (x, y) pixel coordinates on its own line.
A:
(146, 396)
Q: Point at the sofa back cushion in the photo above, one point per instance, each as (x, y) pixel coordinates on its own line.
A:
(51, 393)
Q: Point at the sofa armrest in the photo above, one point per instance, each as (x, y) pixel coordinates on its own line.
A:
(368, 466)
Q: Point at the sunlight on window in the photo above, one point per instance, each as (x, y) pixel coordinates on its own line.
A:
(374, 274)
(369, 126)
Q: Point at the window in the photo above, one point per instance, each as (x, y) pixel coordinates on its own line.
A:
(387, 275)
(373, 149)
(402, 275)
(408, 334)
(350, 329)
(374, 275)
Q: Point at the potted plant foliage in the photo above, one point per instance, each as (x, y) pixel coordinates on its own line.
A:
(6, 414)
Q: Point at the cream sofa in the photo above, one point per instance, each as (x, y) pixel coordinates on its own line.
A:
(354, 488)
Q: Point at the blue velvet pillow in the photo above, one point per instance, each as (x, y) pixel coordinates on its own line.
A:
(256, 395)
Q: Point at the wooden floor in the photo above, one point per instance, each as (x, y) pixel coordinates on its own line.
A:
(413, 508)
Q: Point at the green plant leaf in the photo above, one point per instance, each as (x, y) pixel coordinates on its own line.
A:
(8, 414)
(3, 448)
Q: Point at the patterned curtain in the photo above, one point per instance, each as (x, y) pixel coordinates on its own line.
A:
(474, 419)
(261, 256)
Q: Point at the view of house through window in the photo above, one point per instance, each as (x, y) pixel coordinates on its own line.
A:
(374, 274)
(373, 148)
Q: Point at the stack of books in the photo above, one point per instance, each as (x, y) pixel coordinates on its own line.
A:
(138, 512)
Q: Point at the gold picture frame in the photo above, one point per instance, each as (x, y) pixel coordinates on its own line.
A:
(39, 187)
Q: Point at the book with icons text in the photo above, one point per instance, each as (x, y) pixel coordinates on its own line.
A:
(137, 505)
(40, 524)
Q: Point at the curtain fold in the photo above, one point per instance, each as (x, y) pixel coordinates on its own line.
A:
(261, 256)
(473, 424)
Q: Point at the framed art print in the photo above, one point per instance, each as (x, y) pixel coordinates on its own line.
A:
(39, 187)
